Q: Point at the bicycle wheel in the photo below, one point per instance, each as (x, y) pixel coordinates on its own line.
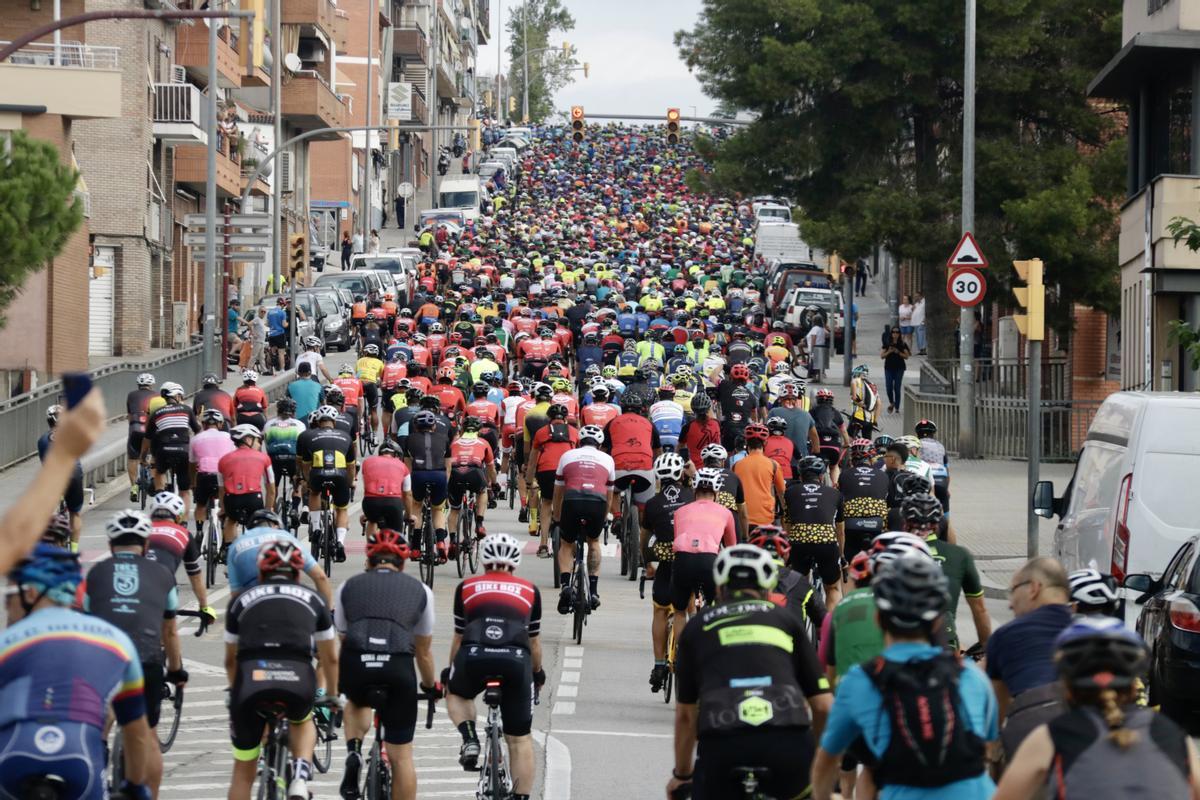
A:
(328, 537)
(495, 776)
(619, 533)
(465, 535)
(473, 553)
(635, 547)
(323, 752)
(212, 550)
(168, 720)
(582, 601)
(512, 483)
(428, 554)
(116, 762)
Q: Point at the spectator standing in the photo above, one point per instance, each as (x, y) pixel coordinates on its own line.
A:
(895, 360)
(399, 204)
(860, 276)
(905, 312)
(347, 249)
(374, 243)
(357, 242)
(918, 323)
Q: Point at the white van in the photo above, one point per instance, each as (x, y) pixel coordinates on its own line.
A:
(464, 193)
(1131, 501)
(770, 213)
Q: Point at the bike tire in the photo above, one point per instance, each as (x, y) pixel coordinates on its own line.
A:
(372, 790)
(328, 536)
(620, 536)
(212, 552)
(116, 762)
(512, 484)
(635, 547)
(465, 534)
(170, 727)
(279, 786)
(495, 780)
(581, 598)
(323, 752)
(428, 555)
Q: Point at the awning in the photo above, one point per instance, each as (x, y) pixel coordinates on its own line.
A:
(1147, 57)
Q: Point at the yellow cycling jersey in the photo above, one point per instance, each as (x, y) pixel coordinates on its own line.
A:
(399, 401)
(155, 404)
(369, 369)
(652, 303)
(329, 459)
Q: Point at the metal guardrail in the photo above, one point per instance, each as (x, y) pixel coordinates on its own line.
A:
(75, 55)
(994, 378)
(1001, 423)
(179, 103)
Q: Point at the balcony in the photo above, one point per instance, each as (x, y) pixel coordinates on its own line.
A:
(447, 85)
(342, 38)
(420, 110)
(483, 20)
(254, 153)
(191, 52)
(410, 43)
(191, 167)
(74, 80)
(309, 103)
(318, 15)
(179, 114)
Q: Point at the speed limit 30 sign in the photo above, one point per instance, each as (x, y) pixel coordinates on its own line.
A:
(966, 287)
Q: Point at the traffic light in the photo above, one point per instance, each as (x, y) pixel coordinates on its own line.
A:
(586, 67)
(1032, 298)
(512, 104)
(672, 126)
(577, 124)
(296, 260)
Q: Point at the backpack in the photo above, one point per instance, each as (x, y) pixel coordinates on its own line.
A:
(930, 743)
(828, 422)
(560, 433)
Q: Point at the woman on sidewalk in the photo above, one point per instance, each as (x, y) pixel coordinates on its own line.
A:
(895, 360)
(905, 312)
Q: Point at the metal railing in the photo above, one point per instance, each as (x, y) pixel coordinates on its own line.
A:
(994, 378)
(179, 103)
(75, 55)
(1001, 424)
(23, 418)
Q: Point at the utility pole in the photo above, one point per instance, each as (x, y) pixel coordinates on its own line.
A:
(432, 108)
(277, 118)
(525, 55)
(499, 57)
(966, 316)
(364, 188)
(847, 324)
(211, 314)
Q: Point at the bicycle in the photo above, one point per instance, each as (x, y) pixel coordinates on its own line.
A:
(367, 434)
(511, 489)
(172, 696)
(494, 780)
(323, 538)
(378, 784)
(210, 544)
(144, 485)
(274, 763)
(467, 550)
(283, 501)
(581, 586)
(427, 558)
(327, 726)
(630, 532)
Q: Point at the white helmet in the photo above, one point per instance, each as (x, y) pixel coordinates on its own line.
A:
(129, 521)
(593, 432)
(146, 380)
(245, 431)
(169, 502)
(709, 479)
(747, 565)
(1090, 587)
(325, 413)
(171, 389)
(249, 376)
(890, 545)
(500, 550)
(312, 342)
(669, 467)
(714, 451)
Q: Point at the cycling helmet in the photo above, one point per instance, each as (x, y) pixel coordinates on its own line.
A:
(445, 373)
(745, 566)
(911, 590)
(591, 434)
(171, 389)
(777, 425)
(52, 571)
(326, 414)
(387, 543)
(472, 425)
(739, 372)
(791, 389)
(500, 550)
(543, 391)
(669, 467)
(666, 391)
(882, 442)
(209, 380)
(633, 402)
(756, 432)
(701, 403)
(53, 413)
(709, 479)
(824, 395)
(280, 557)
(926, 428)
(771, 539)
(861, 450)
(146, 380)
(390, 448)
(480, 389)
(609, 371)
(812, 466)
(600, 391)
(890, 545)
(312, 342)
(1099, 653)
(860, 371)
(425, 420)
(286, 405)
(346, 370)
(371, 349)
(128, 523)
(430, 402)
(334, 396)
(556, 411)
(212, 416)
(265, 518)
(560, 384)
(907, 483)
(243, 432)
(714, 452)
(167, 503)
(1093, 591)
(860, 567)
(911, 442)
(58, 530)
(249, 376)
(921, 510)
(437, 327)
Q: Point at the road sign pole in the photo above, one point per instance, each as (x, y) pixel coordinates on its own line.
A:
(226, 272)
(966, 317)
(1033, 437)
(847, 325)
(207, 331)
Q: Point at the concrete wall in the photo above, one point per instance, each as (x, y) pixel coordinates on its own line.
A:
(1169, 15)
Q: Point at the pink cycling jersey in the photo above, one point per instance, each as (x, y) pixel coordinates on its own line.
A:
(586, 469)
(702, 526)
(207, 448)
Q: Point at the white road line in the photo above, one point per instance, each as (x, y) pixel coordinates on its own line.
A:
(566, 691)
(563, 708)
(572, 651)
(572, 663)
(557, 778)
(569, 677)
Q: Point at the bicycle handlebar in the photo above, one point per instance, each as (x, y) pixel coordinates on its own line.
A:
(200, 615)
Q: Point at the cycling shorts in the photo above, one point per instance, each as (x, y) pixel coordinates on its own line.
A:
(284, 465)
(464, 480)
(176, 461)
(260, 686)
(240, 507)
(154, 676)
(386, 396)
(691, 573)
(642, 481)
(859, 533)
(371, 393)
(545, 483)
(824, 558)
(73, 497)
(786, 753)
(78, 759)
(257, 420)
(386, 512)
(660, 592)
(207, 486)
(583, 515)
(519, 451)
(133, 446)
(474, 665)
(430, 483)
(832, 454)
(336, 481)
(362, 675)
(506, 435)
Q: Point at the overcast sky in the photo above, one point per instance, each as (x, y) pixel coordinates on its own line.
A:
(629, 45)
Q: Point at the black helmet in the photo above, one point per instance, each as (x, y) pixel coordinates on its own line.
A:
(882, 441)
(701, 403)
(557, 411)
(472, 425)
(480, 389)
(265, 516)
(921, 510)
(813, 466)
(430, 402)
(210, 380)
(926, 428)
(777, 425)
(633, 402)
(911, 483)
(425, 421)
(1094, 646)
(911, 591)
(286, 405)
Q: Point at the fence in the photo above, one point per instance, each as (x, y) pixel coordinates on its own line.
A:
(67, 54)
(23, 418)
(180, 103)
(996, 379)
(1000, 423)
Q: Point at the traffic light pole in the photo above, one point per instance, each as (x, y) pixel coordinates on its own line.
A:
(966, 316)
(1033, 437)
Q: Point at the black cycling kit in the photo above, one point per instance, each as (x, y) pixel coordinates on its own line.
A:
(864, 493)
(659, 519)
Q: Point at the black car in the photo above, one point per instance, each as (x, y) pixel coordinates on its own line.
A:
(1170, 624)
(336, 330)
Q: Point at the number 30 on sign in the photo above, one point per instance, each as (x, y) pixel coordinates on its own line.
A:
(966, 287)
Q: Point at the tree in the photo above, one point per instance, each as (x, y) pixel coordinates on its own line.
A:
(1179, 332)
(859, 120)
(550, 69)
(38, 212)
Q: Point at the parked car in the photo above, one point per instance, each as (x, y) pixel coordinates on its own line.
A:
(796, 311)
(783, 280)
(359, 282)
(1125, 509)
(401, 274)
(1169, 623)
(336, 329)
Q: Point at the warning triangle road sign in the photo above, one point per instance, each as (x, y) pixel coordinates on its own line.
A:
(967, 254)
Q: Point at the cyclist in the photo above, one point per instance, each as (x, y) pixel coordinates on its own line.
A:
(211, 395)
(279, 441)
(600, 411)
(933, 453)
(250, 401)
(138, 595)
(702, 527)
(583, 485)
(751, 693)
(387, 486)
(393, 383)
(427, 450)
(279, 622)
(60, 672)
(265, 528)
(169, 430)
(658, 539)
(761, 478)
(136, 411)
(779, 448)
(205, 451)
(244, 474)
(171, 545)
(801, 428)
(794, 589)
(73, 497)
(369, 369)
(312, 356)
(634, 444)
(864, 402)
(497, 619)
(831, 431)
(814, 517)
(487, 412)
(667, 417)
(453, 402)
(385, 620)
(701, 431)
(864, 493)
(914, 462)
(546, 448)
(739, 404)
(472, 469)
(327, 458)
(1094, 594)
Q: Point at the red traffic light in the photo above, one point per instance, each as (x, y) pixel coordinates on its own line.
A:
(672, 115)
(576, 112)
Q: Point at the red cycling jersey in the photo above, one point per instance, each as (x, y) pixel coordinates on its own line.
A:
(552, 441)
(250, 400)
(600, 414)
(586, 469)
(702, 526)
(352, 389)
(392, 373)
(630, 438)
(243, 471)
(568, 400)
(486, 410)
(385, 476)
(470, 451)
(451, 398)
(781, 450)
(421, 355)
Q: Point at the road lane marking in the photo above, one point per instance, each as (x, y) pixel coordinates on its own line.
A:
(563, 707)
(557, 777)
(569, 677)
(572, 663)
(633, 734)
(566, 691)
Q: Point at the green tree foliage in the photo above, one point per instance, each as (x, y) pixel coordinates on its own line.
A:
(1179, 332)
(858, 108)
(38, 212)
(549, 70)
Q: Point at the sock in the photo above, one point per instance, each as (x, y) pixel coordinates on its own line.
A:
(593, 581)
(564, 580)
(660, 662)
(478, 520)
(354, 745)
(520, 797)
(440, 533)
(467, 729)
(341, 535)
(302, 768)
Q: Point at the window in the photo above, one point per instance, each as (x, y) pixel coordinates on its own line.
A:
(467, 199)
(1096, 477)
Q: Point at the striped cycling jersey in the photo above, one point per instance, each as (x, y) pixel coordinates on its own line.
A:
(280, 436)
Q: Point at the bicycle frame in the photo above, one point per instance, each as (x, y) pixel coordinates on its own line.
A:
(494, 782)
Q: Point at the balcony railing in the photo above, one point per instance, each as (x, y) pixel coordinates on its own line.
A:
(179, 103)
(67, 54)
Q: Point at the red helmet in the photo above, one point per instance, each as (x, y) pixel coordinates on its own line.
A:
(756, 431)
(824, 395)
(771, 539)
(739, 372)
(280, 556)
(456, 337)
(666, 390)
(387, 542)
(860, 566)
(445, 373)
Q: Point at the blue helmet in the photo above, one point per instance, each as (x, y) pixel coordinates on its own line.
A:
(1100, 653)
(53, 571)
